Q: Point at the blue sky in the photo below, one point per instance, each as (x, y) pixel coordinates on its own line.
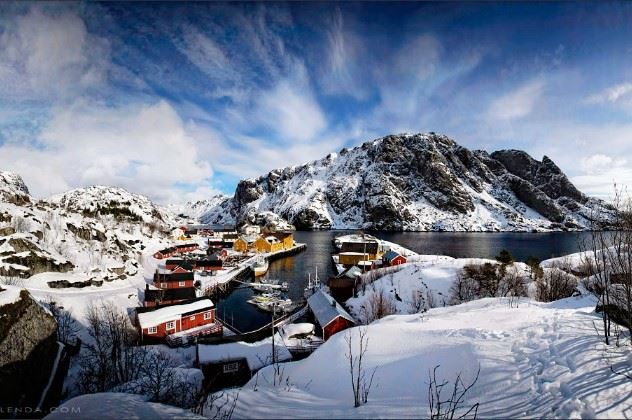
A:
(180, 101)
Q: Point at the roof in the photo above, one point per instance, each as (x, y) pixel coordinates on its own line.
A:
(370, 247)
(166, 251)
(272, 239)
(248, 238)
(326, 309)
(180, 246)
(178, 293)
(351, 272)
(391, 255)
(171, 313)
(162, 277)
(257, 354)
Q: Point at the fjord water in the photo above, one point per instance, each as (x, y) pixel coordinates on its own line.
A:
(295, 269)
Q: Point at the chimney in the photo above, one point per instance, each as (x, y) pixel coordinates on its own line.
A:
(333, 303)
(146, 286)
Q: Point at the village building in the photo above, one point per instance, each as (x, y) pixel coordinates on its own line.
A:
(192, 246)
(157, 297)
(367, 247)
(392, 258)
(268, 244)
(178, 278)
(233, 364)
(244, 243)
(329, 314)
(178, 323)
(344, 285)
(165, 253)
(349, 259)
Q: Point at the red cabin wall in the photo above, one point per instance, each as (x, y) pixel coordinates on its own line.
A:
(171, 284)
(339, 324)
(182, 324)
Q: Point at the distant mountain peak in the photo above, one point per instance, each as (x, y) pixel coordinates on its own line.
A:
(423, 181)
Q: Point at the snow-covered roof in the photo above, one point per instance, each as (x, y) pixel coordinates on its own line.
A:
(326, 309)
(171, 313)
(258, 354)
(391, 255)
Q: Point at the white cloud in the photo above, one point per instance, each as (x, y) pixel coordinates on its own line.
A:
(291, 109)
(518, 103)
(611, 94)
(44, 55)
(602, 184)
(145, 149)
(598, 163)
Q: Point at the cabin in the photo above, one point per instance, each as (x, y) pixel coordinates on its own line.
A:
(233, 364)
(267, 244)
(349, 259)
(244, 243)
(173, 279)
(392, 258)
(165, 253)
(367, 247)
(157, 297)
(343, 286)
(179, 322)
(329, 314)
(192, 246)
(287, 238)
(208, 264)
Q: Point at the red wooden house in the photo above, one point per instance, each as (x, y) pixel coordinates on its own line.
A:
(329, 314)
(187, 247)
(165, 253)
(179, 322)
(157, 297)
(179, 278)
(392, 258)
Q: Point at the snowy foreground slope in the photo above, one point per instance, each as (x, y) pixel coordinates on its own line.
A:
(537, 360)
(416, 182)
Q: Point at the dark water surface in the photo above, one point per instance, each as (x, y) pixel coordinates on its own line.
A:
(247, 317)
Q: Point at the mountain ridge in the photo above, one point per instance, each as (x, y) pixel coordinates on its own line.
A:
(416, 182)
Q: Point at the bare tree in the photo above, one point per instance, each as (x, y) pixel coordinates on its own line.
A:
(377, 306)
(361, 382)
(111, 357)
(464, 289)
(67, 327)
(556, 284)
(442, 407)
(512, 286)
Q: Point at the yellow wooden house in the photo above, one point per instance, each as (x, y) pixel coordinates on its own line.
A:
(245, 243)
(273, 242)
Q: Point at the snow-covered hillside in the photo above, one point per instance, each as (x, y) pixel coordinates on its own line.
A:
(423, 182)
(98, 199)
(201, 211)
(537, 360)
(100, 231)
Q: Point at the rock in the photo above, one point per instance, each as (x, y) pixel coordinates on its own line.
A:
(417, 182)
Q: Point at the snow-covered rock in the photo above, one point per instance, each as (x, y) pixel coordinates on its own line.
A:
(416, 182)
(101, 200)
(13, 189)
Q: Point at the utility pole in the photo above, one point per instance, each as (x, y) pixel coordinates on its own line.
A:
(273, 349)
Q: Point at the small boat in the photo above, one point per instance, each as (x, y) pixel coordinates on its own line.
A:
(260, 266)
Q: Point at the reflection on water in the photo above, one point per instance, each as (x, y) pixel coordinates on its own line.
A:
(294, 269)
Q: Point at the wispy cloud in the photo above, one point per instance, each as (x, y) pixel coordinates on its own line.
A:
(611, 94)
(518, 103)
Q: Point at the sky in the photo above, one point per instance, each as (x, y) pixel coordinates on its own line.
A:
(181, 101)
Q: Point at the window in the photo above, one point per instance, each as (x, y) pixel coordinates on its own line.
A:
(181, 284)
(207, 315)
(163, 285)
(152, 330)
(171, 325)
(192, 318)
(231, 367)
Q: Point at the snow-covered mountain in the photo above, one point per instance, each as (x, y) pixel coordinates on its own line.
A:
(99, 199)
(197, 211)
(416, 182)
(96, 230)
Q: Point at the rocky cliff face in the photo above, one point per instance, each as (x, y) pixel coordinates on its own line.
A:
(27, 348)
(420, 182)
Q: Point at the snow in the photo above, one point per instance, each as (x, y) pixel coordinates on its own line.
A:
(112, 405)
(325, 308)
(257, 354)
(171, 313)
(536, 360)
(9, 294)
(291, 330)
